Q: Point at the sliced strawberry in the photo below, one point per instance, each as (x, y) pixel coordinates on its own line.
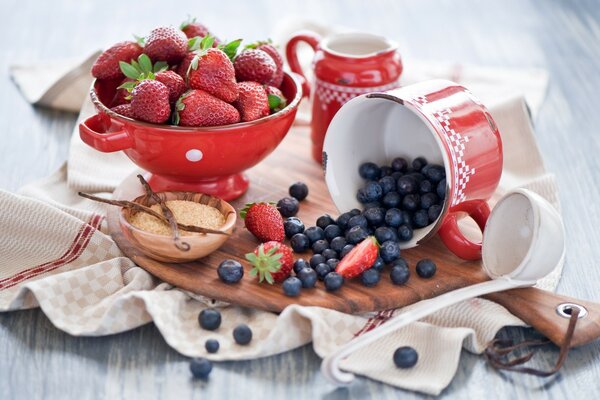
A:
(271, 261)
(253, 102)
(198, 108)
(360, 258)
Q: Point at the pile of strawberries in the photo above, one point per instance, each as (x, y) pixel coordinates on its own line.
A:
(187, 77)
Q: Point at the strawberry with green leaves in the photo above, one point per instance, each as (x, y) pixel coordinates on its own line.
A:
(107, 64)
(268, 48)
(211, 70)
(198, 108)
(166, 43)
(192, 29)
(277, 100)
(150, 102)
(264, 221)
(271, 262)
(254, 65)
(359, 259)
(252, 102)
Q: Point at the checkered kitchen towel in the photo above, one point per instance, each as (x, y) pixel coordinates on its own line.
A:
(55, 254)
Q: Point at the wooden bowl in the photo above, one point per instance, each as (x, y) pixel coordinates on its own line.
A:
(162, 247)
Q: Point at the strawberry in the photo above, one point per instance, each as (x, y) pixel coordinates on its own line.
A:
(211, 70)
(253, 102)
(277, 100)
(184, 65)
(360, 258)
(264, 221)
(254, 65)
(166, 43)
(198, 108)
(271, 261)
(150, 102)
(121, 94)
(173, 82)
(268, 48)
(191, 28)
(124, 110)
(107, 64)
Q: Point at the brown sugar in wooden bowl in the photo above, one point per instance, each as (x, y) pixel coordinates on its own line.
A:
(161, 247)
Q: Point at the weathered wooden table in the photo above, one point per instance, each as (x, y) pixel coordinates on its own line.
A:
(37, 361)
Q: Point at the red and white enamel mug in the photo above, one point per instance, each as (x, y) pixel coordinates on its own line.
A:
(437, 119)
(345, 65)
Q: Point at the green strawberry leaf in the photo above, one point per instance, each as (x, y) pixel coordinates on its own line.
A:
(207, 42)
(140, 40)
(129, 70)
(160, 66)
(274, 101)
(188, 21)
(129, 86)
(269, 278)
(145, 63)
(231, 48)
(194, 43)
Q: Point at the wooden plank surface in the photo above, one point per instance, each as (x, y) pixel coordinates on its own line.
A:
(38, 361)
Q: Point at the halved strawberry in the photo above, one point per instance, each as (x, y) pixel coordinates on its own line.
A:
(360, 258)
(271, 261)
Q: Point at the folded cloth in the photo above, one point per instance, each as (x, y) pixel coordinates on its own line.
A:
(55, 254)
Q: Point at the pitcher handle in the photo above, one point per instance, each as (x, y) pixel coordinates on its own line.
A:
(291, 55)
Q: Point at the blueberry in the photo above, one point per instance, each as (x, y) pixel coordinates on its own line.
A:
(333, 262)
(242, 334)
(393, 217)
(314, 233)
(319, 246)
(428, 199)
(322, 270)
(316, 260)
(425, 187)
(331, 232)
(300, 264)
(426, 268)
(406, 218)
(342, 220)
(434, 212)
(308, 277)
(389, 251)
(355, 211)
(372, 204)
(401, 262)
(370, 192)
(209, 319)
(399, 164)
(333, 281)
(329, 254)
(392, 200)
(406, 185)
(337, 243)
(435, 173)
(397, 175)
(288, 206)
(299, 242)
(420, 219)
(405, 233)
(292, 226)
(324, 221)
(347, 249)
(418, 163)
(378, 265)
(369, 170)
(299, 191)
(375, 216)
(200, 367)
(441, 189)
(358, 220)
(384, 233)
(230, 271)
(385, 171)
(418, 177)
(411, 202)
(356, 235)
(405, 357)
(292, 286)
(370, 277)
(212, 345)
(399, 274)
(388, 184)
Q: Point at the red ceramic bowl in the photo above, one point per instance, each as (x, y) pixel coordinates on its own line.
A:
(208, 160)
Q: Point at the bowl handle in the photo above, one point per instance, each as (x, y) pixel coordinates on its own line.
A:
(453, 238)
(104, 134)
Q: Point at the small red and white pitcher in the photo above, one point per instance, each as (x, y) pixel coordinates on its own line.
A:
(345, 65)
(437, 119)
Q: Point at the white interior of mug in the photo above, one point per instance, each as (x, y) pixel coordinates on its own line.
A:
(357, 45)
(508, 236)
(377, 129)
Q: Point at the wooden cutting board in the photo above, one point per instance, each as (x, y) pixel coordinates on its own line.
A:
(270, 180)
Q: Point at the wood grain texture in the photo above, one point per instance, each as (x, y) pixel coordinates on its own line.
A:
(40, 362)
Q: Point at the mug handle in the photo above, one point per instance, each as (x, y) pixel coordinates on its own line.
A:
(291, 55)
(104, 134)
(454, 239)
